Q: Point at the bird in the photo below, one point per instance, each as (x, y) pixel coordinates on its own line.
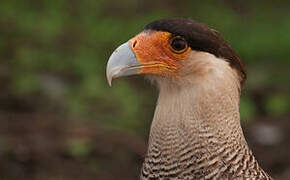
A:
(196, 130)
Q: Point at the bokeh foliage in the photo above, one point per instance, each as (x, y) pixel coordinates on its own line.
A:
(54, 52)
(59, 49)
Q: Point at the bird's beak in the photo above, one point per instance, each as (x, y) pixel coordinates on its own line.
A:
(122, 62)
(146, 53)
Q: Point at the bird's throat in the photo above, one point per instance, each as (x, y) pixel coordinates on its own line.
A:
(196, 132)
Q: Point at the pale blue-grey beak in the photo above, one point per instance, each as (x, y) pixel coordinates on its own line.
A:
(122, 62)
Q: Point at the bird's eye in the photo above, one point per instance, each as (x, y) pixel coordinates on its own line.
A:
(178, 44)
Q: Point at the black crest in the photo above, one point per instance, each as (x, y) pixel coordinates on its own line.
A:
(201, 38)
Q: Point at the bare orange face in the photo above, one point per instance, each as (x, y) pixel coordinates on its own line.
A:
(161, 49)
(159, 52)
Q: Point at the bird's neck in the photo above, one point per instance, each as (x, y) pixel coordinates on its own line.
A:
(196, 132)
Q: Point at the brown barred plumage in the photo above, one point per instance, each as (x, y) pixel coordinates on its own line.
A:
(196, 131)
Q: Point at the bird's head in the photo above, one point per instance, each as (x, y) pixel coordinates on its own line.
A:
(174, 49)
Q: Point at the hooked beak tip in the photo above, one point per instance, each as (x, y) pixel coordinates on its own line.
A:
(109, 81)
(121, 62)
(112, 73)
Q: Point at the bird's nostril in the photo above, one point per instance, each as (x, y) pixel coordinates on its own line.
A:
(134, 44)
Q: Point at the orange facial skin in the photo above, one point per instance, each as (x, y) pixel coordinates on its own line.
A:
(155, 54)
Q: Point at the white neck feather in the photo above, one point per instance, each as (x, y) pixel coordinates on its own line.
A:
(196, 131)
(196, 115)
(208, 86)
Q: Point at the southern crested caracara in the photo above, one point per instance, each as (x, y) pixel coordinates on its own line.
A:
(196, 131)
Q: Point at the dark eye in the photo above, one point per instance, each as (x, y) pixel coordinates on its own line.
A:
(178, 44)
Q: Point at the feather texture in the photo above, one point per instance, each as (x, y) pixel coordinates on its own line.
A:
(196, 131)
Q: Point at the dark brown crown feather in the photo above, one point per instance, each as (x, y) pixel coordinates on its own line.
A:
(201, 38)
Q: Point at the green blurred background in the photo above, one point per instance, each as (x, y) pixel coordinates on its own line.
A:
(60, 120)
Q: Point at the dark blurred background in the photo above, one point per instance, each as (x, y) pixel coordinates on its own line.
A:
(60, 120)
